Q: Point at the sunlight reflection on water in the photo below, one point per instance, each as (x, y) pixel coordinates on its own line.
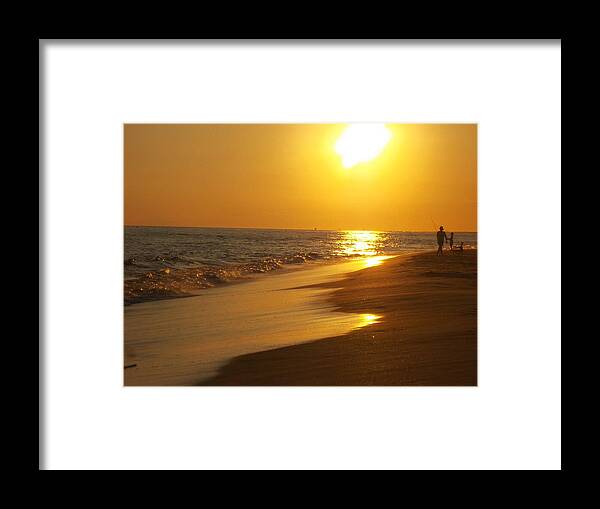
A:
(362, 243)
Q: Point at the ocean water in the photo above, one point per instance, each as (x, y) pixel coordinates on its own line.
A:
(171, 262)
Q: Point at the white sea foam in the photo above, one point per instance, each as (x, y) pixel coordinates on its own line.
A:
(168, 262)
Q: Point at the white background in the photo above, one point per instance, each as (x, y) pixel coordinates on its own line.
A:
(511, 421)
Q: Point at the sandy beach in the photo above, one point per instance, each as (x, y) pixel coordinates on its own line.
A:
(425, 334)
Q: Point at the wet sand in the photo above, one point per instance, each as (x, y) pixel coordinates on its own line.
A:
(426, 334)
(184, 341)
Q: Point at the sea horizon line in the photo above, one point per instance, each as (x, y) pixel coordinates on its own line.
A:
(287, 229)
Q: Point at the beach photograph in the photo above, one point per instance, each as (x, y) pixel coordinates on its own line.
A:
(300, 254)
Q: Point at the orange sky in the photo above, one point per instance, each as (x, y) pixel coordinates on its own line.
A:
(290, 176)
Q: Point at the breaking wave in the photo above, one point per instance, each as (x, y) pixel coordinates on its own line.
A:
(168, 262)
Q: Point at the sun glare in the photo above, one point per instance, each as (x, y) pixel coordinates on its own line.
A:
(360, 143)
(368, 319)
(374, 261)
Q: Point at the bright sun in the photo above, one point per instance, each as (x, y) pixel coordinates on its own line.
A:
(360, 143)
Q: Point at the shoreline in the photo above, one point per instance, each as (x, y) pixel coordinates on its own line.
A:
(425, 333)
(182, 341)
(246, 278)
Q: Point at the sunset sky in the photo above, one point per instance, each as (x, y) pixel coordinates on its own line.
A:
(294, 176)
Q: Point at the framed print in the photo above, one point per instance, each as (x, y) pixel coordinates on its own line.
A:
(312, 255)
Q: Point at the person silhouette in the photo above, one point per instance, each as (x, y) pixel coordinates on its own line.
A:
(451, 240)
(441, 238)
